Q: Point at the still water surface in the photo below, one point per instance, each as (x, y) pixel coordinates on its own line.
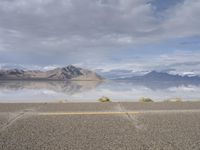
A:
(84, 91)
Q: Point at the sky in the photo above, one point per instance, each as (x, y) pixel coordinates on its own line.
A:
(102, 35)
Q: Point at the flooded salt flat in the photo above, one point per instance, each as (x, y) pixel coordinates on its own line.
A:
(90, 91)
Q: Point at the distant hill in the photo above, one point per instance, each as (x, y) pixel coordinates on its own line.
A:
(161, 76)
(69, 72)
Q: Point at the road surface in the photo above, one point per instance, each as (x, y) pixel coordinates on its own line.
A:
(100, 126)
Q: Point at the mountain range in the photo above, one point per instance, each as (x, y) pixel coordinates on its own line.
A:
(69, 72)
(161, 76)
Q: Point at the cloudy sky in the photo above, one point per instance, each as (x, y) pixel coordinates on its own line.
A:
(104, 35)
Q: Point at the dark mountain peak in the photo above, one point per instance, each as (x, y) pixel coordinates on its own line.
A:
(71, 70)
(152, 72)
(157, 73)
(71, 67)
(162, 76)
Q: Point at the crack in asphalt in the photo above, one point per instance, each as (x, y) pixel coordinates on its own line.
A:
(13, 117)
(12, 120)
(130, 117)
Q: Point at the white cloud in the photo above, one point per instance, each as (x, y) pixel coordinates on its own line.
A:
(50, 67)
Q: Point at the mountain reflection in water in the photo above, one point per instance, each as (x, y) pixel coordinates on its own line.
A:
(73, 91)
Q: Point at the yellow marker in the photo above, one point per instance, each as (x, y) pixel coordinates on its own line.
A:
(87, 113)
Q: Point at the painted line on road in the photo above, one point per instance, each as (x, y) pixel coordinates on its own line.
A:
(87, 113)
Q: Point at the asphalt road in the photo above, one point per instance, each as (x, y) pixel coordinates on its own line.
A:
(100, 126)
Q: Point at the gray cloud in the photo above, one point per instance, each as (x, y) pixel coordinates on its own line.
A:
(65, 31)
(183, 20)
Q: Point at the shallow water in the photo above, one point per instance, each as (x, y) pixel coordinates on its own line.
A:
(76, 91)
